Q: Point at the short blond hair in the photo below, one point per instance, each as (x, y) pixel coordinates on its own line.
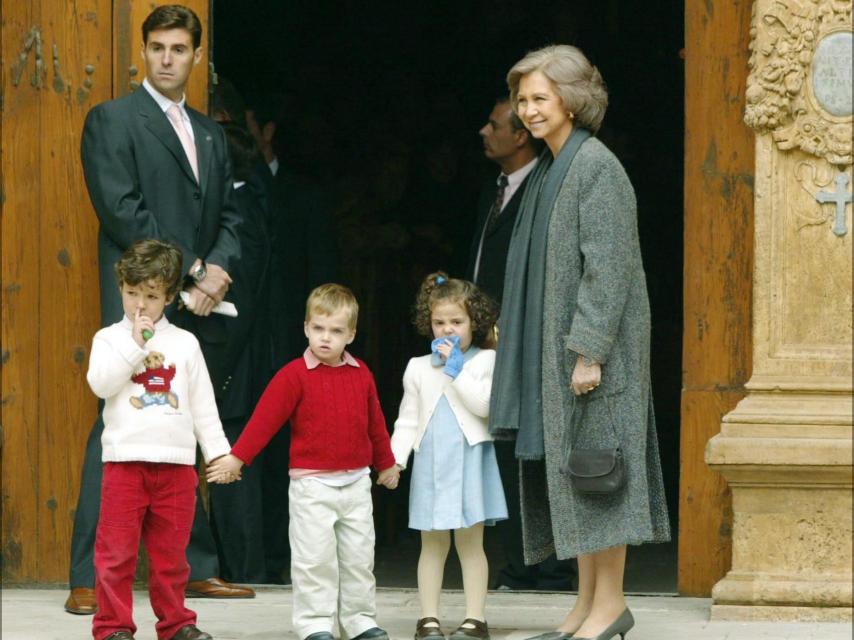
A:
(331, 298)
(578, 83)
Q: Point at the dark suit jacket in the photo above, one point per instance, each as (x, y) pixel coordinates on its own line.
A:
(249, 332)
(142, 186)
(493, 258)
(304, 255)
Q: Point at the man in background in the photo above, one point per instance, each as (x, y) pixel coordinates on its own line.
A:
(507, 143)
(156, 168)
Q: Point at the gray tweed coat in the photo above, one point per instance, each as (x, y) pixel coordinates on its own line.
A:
(595, 304)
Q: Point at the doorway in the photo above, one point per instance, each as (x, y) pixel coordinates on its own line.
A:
(384, 101)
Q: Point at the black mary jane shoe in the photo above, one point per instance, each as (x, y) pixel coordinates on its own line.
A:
(478, 631)
(423, 632)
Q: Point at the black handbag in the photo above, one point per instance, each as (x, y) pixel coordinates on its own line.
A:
(592, 471)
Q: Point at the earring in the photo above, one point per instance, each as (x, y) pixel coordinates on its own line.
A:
(571, 115)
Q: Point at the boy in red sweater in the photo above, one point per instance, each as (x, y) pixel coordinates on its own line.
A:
(337, 433)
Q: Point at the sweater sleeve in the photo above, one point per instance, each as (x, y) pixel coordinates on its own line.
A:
(206, 423)
(406, 425)
(608, 239)
(383, 458)
(474, 383)
(112, 361)
(273, 410)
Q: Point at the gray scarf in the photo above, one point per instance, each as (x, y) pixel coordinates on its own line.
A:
(516, 406)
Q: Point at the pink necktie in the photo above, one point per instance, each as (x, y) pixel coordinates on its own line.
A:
(174, 114)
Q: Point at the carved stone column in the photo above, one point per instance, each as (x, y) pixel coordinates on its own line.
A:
(786, 449)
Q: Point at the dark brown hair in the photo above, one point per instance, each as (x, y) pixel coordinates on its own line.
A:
(481, 309)
(148, 260)
(173, 16)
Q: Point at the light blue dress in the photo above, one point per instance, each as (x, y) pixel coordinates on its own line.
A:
(454, 485)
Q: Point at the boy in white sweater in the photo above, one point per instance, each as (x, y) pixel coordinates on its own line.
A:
(159, 402)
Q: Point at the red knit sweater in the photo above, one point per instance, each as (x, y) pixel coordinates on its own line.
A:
(337, 423)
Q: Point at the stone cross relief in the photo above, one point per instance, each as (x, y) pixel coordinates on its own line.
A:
(841, 197)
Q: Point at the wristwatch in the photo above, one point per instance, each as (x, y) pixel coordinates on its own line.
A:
(198, 274)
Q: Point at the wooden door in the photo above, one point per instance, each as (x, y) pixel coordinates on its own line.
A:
(59, 59)
(718, 275)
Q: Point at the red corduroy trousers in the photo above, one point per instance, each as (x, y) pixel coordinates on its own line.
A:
(155, 501)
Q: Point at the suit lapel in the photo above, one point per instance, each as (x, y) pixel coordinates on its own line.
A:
(160, 127)
(204, 147)
(508, 213)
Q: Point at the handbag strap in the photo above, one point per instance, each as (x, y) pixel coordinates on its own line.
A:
(580, 402)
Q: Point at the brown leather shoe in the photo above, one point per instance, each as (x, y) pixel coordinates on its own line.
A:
(81, 601)
(423, 632)
(480, 630)
(120, 635)
(191, 632)
(216, 588)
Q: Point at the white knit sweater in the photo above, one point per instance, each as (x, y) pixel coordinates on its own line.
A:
(171, 406)
(423, 386)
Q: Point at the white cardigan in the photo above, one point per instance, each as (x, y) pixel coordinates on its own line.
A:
(423, 386)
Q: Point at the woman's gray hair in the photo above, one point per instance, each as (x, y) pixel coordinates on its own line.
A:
(578, 83)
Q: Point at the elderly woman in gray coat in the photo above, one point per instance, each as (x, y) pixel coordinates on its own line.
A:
(572, 367)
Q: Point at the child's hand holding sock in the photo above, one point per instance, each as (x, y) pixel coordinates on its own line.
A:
(454, 359)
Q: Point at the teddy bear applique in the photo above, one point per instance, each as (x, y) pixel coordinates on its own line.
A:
(157, 381)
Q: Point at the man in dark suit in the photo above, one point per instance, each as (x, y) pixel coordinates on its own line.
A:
(507, 143)
(155, 168)
(237, 509)
(303, 255)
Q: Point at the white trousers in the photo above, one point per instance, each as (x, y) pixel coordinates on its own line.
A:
(331, 533)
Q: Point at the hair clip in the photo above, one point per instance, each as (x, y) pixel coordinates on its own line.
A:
(440, 280)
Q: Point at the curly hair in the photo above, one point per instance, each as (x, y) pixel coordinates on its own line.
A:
(151, 259)
(439, 287)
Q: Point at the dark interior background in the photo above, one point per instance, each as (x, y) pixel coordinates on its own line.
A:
(383, 104)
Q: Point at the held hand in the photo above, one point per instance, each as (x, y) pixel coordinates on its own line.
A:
(224, 469)
(585, 377)
(215, 283)
(389, 477)
(200, 303)
(141, 323)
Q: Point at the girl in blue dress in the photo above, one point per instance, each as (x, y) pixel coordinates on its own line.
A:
(455, 484)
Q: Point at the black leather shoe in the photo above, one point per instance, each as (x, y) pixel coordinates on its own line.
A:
(374, 633)
(191, 632)
(319, 635)
(120, 635)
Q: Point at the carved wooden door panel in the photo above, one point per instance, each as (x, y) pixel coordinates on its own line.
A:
(58, 59)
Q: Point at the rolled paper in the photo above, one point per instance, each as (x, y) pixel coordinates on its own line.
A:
(225, 308)
(147, 334)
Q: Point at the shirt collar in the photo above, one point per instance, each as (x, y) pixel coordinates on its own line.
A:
(312, 361)
(515, 179)
(162, 101)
